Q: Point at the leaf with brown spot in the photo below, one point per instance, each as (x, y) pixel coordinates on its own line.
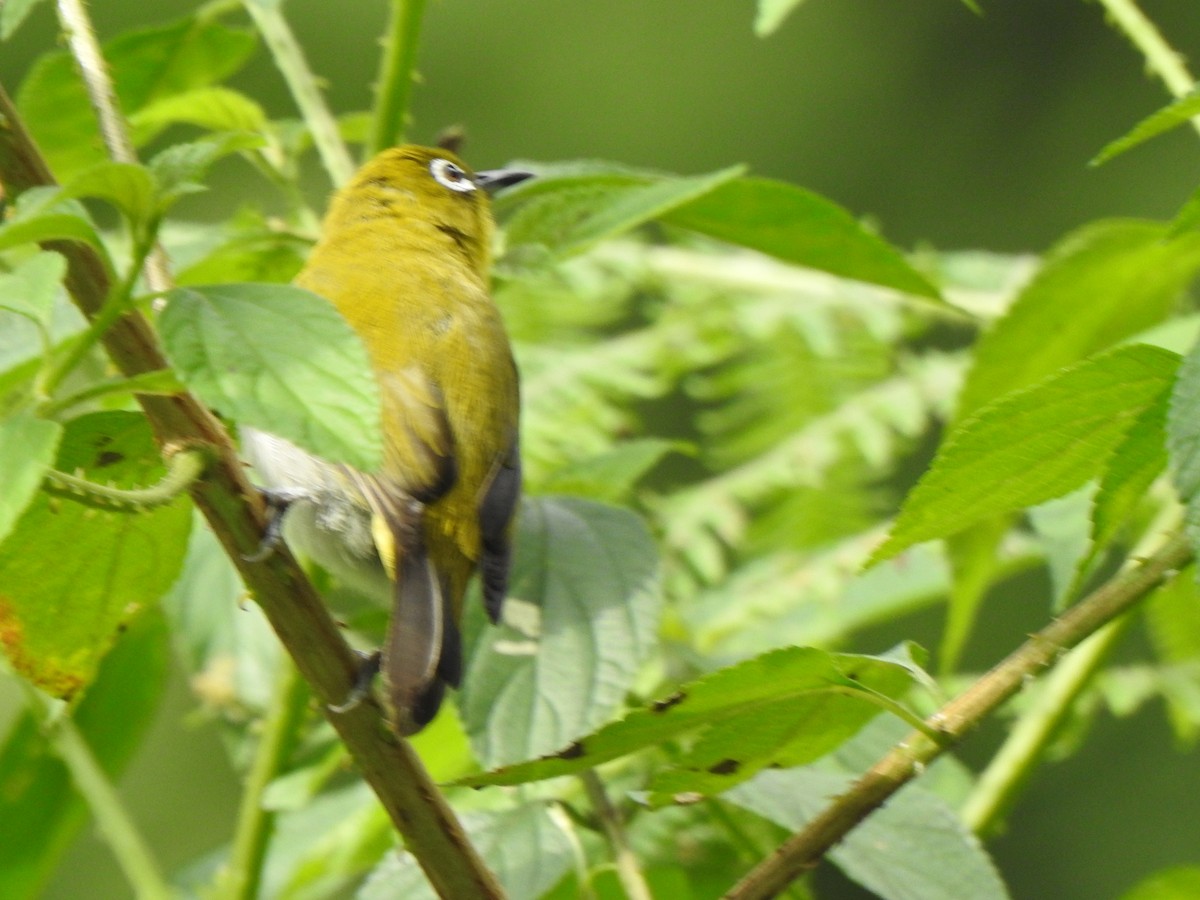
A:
(72, 575)
(787, 707)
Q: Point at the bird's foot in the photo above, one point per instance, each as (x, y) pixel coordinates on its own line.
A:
(362, 681)
(277, 503)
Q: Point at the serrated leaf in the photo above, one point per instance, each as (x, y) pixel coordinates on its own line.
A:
(1099, 286)
(214, 108)
(798, 226)
(40, 807)
(180, 167)
(1032, 445)
(281, 359)
(130, 188)
(790, 705)
(1183, 440)
(1171, 116)
(31, 289)
(525, 848)
(913, 848)
(27, 448)
(564, 214)
(146, 66)
(1134, 465)
(42, 214)
(585, 578)
(771, 14)
(72, 575)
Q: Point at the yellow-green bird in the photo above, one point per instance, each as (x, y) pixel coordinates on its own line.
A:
(405, 256)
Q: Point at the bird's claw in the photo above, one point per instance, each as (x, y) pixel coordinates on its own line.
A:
(362, 682)
(277, 503)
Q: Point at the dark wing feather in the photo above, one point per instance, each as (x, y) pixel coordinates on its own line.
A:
(495, 527)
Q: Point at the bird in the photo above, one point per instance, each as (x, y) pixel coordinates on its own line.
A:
(404, 254)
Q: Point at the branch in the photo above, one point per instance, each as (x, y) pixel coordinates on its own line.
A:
(396, 75)
(289, 57)
(803, 850)
(236, 515)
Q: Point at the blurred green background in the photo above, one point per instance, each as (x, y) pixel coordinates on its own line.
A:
(948, 129)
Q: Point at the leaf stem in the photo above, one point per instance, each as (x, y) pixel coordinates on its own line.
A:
(85, 49)
(289, 57)
(1025, 745)
(397, 73)
(1161, 58)
(804, 849)
(629, 870)
(243, 876)
(112, 819)
(184, 468)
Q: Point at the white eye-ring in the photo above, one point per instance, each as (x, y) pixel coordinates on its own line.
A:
(449, 175)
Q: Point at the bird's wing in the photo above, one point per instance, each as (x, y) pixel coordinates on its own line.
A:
(422, 638)
(495, 528)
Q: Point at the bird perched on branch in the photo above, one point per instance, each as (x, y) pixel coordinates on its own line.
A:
(405, 256)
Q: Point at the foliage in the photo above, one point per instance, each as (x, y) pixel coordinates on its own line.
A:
(730, 385)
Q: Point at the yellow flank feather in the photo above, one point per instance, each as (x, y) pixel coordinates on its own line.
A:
(405, 257)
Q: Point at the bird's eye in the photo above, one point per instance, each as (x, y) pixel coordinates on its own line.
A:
(449, 175)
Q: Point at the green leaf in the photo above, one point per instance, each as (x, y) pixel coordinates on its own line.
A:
(72, 576)
(1172, 614)
(771, 14)
(1032, 445)
(146, 66)
(586, 578)
(569, 209)
(130, 188)
(1171, 116)
(800, 227)
(31, 289)
(974, 560)
(40, 810)
(913, 848)
(281, 359)
(1134, 465)
(27, 448)
(226, 642)
(42, 214)
(610, 476)
(180, 168)
(214, 108)
(1177, 883)
(1101, 285)
(1183, 440)
(525, 848)
(788, 706)
(12, 14)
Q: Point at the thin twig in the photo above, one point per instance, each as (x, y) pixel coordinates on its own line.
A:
(289, 57)
(85, 48)
(112, 819)
(803, 850)
(241, 878)
(1161, 58)
(629, 871)
(396, 75)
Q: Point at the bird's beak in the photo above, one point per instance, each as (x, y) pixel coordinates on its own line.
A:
(495, 179)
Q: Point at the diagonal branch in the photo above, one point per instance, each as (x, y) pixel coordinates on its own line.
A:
(235, 513)
(803, 850)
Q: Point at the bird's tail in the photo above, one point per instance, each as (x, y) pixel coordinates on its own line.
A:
(422, 653)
